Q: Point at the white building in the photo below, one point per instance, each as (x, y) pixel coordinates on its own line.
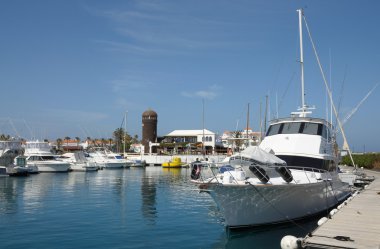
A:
(192, 138)
(238, 139)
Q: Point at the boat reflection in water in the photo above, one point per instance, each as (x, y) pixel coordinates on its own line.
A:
(127, 205)
(148, 195)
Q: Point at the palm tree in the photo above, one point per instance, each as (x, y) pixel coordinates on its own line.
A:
(59, 143)
(103, 141)
(238, 142)
(118, 135)
(78, 140)
(67, 141)
(5, 137)
(88, 139)
(135, 139)
(110, 140)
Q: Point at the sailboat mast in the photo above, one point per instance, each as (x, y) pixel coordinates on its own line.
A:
(203, 127)
(125, 131)
(247, 126)
(303, 106)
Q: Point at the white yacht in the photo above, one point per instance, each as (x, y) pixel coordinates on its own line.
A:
(107, 159)
(78, 161)
(9, 150)
(136, 163)
(291, 175)
(38, 154)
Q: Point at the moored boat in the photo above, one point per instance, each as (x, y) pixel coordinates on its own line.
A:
(38, 154)
(176, 162)
(79, 162)
(107, 159)
(291, 175)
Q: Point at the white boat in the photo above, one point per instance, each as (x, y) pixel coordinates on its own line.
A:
(9, 150)
(107, 159)
(293, 173)
(136, 163)
(38, 154)
(78, 161)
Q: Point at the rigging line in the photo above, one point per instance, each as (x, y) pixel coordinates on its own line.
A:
(286, 90)
(329, 93)
(341, 91)
(360, 103)
(277, 210)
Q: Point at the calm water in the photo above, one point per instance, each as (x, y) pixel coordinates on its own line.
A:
(126, 208)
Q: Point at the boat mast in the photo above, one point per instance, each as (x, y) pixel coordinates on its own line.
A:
(125, 131)
(203, 127)
(247, 125)
(303, 106)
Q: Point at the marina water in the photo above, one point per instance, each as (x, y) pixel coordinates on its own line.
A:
(147, 207)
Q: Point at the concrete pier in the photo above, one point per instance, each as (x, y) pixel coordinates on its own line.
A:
(355, 225)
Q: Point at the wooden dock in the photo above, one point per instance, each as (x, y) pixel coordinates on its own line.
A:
(355, 225)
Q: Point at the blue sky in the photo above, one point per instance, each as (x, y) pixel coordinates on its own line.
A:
(73, 68)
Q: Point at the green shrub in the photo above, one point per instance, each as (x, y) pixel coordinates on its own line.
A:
(368, 160)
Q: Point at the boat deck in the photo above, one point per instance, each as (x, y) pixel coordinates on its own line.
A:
(355, 225)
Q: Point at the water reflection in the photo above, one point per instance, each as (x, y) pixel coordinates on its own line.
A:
(148, 195)
(8, 195)
(125, 204)
(264, 236)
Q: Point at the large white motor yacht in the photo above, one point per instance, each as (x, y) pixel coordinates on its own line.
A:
(291, 175)
(38, 154)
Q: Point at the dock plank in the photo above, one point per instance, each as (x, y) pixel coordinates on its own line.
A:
(356, 225)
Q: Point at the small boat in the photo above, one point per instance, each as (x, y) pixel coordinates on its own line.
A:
(19, 168)
(107, 159)
(79, 162)
(136, 163)
(174, 163)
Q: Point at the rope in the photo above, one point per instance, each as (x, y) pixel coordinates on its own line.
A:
(329, 92)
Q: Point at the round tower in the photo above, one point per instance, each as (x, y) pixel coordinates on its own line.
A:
(149, 129)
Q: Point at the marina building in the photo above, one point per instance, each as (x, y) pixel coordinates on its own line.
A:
(189, 141)
(238, 140)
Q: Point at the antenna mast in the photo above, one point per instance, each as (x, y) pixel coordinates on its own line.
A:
(303, 106)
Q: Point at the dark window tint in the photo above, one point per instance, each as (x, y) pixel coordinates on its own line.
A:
(273, 129)
(311, 129)
(291, 128)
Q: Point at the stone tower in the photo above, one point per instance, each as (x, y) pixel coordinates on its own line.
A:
(149, 129)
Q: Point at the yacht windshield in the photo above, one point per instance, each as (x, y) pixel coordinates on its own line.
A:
(299, 128)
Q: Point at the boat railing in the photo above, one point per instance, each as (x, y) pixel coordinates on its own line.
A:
(307, 170)
(209, 173)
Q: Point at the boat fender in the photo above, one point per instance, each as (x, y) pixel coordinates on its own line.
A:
(322, 221)
(259, 173)
(332, 212)
(196, 172)
(285, 174)
(290, 242)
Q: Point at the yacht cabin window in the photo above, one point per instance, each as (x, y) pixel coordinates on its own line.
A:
(300, 127)
(291, 128)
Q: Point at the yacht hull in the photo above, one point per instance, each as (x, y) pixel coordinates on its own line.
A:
(51, 167)
(111, 165)
(253, 205)
(83, 167)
